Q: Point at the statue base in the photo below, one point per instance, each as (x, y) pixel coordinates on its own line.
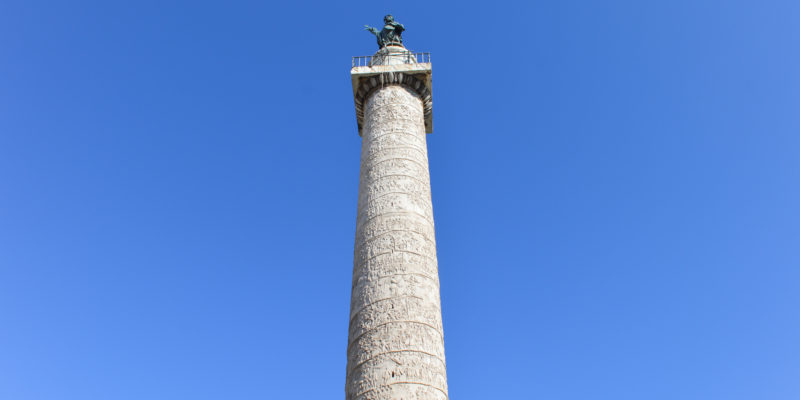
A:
(393, 55)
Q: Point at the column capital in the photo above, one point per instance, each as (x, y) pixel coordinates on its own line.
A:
(393, 65)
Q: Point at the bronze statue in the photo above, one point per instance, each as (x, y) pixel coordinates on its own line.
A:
(390, 34)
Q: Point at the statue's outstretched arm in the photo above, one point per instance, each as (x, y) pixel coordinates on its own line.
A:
(374, 31)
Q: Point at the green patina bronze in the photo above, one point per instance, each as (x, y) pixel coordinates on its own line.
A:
(390, 34)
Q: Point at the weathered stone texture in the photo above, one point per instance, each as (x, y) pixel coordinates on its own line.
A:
(396, 347)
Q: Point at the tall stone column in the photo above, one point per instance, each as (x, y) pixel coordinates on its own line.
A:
(396, 345)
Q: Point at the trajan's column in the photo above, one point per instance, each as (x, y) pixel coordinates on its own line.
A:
(395, 347)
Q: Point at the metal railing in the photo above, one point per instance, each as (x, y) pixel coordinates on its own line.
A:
(406, 58)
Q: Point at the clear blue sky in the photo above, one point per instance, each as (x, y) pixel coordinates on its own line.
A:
(616, 187)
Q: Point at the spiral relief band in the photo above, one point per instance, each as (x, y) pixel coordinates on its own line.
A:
(395, 344)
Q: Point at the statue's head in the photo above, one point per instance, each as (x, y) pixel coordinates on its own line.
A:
(388, 19)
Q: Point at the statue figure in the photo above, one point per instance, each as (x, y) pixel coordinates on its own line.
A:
(390, 34)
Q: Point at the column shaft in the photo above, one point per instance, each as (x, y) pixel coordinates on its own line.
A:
(395, 347)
